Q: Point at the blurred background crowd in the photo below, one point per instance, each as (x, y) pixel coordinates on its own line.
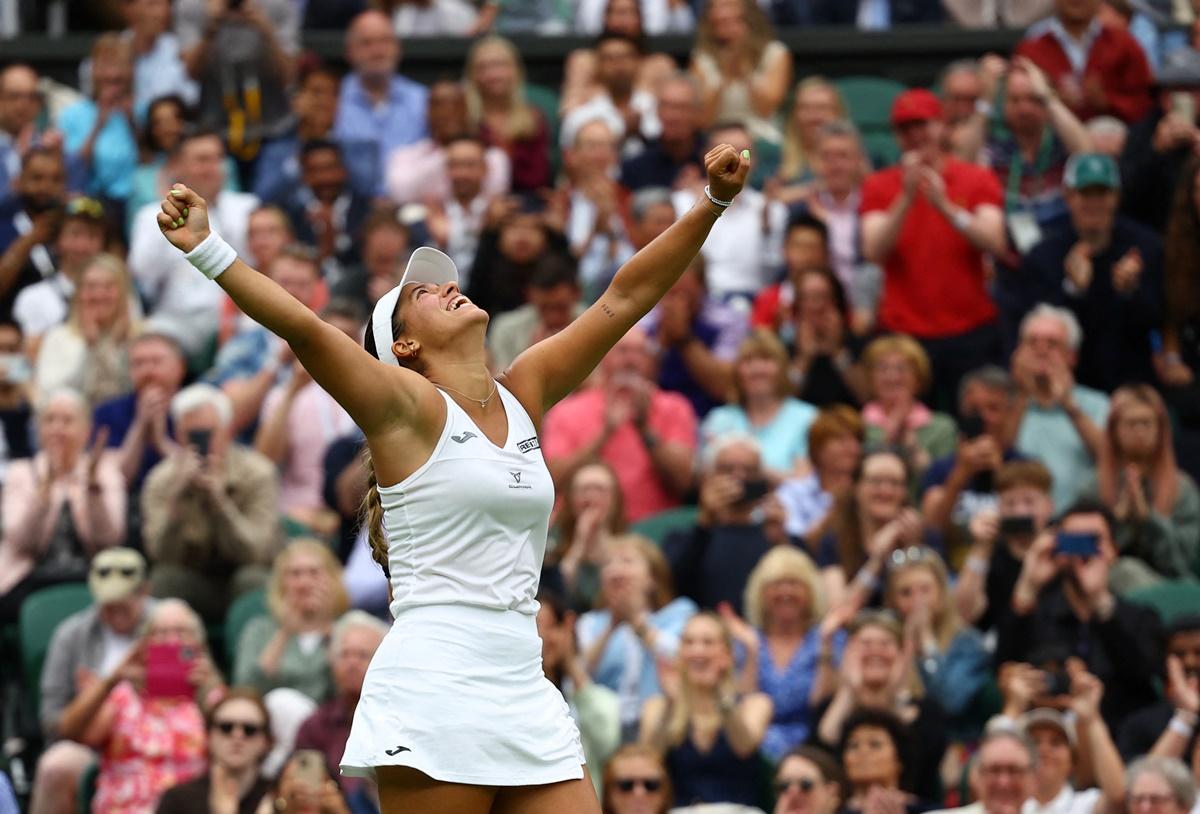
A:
(888, 507)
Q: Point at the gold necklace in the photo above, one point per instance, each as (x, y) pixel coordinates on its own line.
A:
(483, 403)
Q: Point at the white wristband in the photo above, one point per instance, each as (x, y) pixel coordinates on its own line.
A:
(1180, 726)
(212, 256)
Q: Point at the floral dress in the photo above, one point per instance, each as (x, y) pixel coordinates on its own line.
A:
(155, 743)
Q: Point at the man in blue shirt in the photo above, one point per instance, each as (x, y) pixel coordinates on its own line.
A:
(376, 104)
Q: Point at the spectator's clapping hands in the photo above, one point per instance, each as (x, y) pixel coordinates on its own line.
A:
(904, 529)
(1183, 689)
(1127, 272)
(992, 68)
(1086, 691)
(1020, 683)
(880, 800)
(1174, 132)
(1078, 266)
(741, 630)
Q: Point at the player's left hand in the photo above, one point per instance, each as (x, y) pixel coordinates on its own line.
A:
(726, 170)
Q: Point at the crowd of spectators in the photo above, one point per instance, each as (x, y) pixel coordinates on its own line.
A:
(861, 518)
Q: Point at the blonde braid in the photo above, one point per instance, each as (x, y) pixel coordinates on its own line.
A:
(372, 515)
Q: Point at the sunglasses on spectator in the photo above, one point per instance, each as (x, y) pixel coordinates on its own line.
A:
(249, 730)
(628, 784)
(106, 571)
(909, 556)
(88, 207)
(805, 784)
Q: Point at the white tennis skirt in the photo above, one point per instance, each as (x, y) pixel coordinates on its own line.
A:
(457, 692)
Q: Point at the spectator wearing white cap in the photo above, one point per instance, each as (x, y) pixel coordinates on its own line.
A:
(86, 645)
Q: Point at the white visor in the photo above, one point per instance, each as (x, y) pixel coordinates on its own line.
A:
(427, 265)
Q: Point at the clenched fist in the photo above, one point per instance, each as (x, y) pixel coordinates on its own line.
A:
(184, 218)
(726, 170)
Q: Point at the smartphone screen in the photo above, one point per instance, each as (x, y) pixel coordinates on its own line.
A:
(1077, 544)
(1020, 526)
(167, 668)
(754, 490)
(309, 768)
(200, 440)
(971, 426)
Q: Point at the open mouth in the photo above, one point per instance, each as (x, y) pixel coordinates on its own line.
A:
(457, 302)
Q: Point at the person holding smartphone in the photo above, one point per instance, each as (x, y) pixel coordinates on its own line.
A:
(144, 716)
(239, 738)
(1062, 599)
(740, 520)
(210, 509)
(1000, 538)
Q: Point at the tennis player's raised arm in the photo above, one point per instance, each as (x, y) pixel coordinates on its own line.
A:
(372, 393)
(551, 369)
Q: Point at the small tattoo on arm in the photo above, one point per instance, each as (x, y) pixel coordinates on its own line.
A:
(608, 312)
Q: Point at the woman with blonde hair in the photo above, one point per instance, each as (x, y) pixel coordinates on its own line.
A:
(791, 654)
(1156, 505)
(898, 372)
(496, 106)
(762, 405)
(817, 102)
(637, 626)
(305, 596)
(950, 658)
(710, 732)
(744, 72)
(90, 351)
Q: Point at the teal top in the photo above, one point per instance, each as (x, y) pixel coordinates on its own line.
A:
(784, 439)
(1048, 435)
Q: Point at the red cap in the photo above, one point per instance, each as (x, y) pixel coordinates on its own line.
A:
(918, 105)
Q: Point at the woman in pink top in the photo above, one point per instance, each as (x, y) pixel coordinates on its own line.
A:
(61, 506)
(149, 737)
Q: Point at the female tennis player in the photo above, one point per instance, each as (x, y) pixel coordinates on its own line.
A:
(456, 714)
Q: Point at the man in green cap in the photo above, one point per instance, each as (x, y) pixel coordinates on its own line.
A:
(1106, 269)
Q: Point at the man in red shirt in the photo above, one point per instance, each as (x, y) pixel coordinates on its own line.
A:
(929, 221)
(1096, 68)
(647, 435)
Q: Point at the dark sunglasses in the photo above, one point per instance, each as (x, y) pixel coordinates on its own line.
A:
(106, 571)
(806, 784)
(628, 784)
(249, 730)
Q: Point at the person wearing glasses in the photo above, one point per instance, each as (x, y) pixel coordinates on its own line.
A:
(1160, 785)
(636, 782)
(808, 781)
(1002, 774)
(239, 738)
(951, 660)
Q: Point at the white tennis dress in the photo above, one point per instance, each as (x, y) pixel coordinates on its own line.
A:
(456, 690)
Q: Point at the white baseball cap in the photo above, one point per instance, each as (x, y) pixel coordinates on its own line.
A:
(426, 265)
